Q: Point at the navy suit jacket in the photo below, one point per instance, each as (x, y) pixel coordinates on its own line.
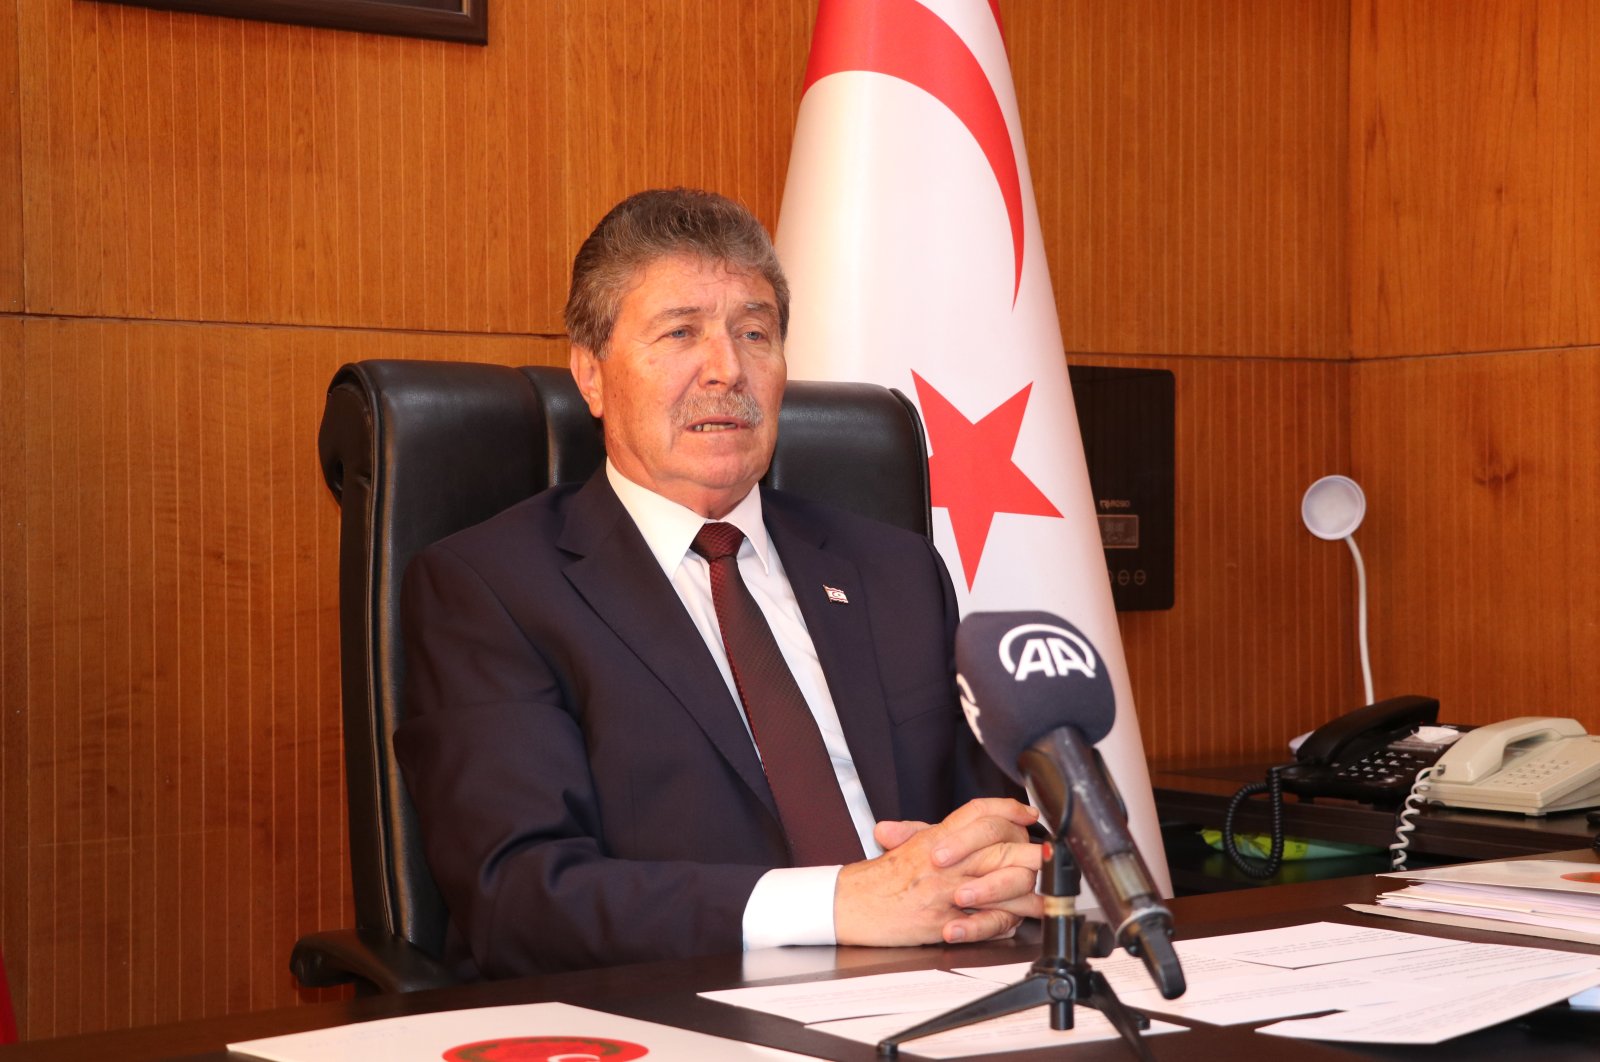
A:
(586, 788)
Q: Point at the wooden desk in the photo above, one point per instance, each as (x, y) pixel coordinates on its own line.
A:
(1200, 795)
(665, 992)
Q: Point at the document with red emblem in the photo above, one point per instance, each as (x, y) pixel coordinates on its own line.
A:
(531, 1032)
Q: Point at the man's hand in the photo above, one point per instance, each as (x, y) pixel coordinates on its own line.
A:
(970, 877)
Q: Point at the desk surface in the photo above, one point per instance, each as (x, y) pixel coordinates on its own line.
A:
(665, 992)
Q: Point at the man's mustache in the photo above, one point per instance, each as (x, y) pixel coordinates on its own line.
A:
(737, 405)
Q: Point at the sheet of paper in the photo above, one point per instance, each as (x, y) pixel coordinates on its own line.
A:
(1560, 875)
(1221, 990)
(854, 997)
(1473, 922)
(1267, 994)
(1549, 917)
(1004, 974)
(1296, 947)
(1504, 898)
(532, 1030)
(1126, 973)
(1464, 964)
(1436, 1018)
(1015, 1032)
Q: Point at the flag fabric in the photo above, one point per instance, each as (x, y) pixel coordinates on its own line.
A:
(8, 1018)
(911, 241)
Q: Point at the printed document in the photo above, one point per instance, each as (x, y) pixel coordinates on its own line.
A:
(532, 1030)
(1022, 1031)
(855, 997)
(1268, 994)
(1295, 947)
(1440, 1018)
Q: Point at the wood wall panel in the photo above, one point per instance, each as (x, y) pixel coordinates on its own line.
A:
(1475, 175)
(172, 790)
(172, 767)
(192, 168)
(1483, 482)
(1475, 221)
(10, 164)
(1260, 642)
(14, 814)
(1189, 161)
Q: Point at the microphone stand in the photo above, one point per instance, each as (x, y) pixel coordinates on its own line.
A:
(1061, 976)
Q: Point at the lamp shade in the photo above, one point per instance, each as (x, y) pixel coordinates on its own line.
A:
(1333, 507)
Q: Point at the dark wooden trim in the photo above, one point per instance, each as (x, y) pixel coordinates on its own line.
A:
(465, 21)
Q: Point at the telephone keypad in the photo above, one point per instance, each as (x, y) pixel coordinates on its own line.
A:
(1533, 775)
(1386, 765)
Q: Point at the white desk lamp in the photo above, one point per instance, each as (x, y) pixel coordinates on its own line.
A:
(1332, 509)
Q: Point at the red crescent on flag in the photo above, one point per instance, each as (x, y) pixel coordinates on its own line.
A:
(905, 40)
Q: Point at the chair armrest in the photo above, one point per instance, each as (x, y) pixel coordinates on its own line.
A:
(376, 960)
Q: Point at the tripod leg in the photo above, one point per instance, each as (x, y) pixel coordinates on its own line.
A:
(1031, 991)
(1127, 1022)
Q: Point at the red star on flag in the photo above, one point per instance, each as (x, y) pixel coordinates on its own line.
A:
(971, 472)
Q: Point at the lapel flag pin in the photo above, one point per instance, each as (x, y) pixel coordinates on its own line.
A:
(835, 595)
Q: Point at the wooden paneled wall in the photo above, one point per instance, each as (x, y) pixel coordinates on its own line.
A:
(1260, 642)
(216, 214)
(1483, 478)
(186, 168)
(201, 218)
(10, 166)
(1475, 176)
(1189, 161)
(1475, 309)
(173, 813)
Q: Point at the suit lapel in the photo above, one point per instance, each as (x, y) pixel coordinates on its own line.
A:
(842, 636)
(616, 574)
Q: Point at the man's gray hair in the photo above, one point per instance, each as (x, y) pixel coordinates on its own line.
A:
(656, 224)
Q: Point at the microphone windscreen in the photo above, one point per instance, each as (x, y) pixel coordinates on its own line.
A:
(1022, 675)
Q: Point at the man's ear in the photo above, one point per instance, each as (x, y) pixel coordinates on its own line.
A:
(589, 376)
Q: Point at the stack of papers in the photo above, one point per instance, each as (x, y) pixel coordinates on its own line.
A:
(1540, 897)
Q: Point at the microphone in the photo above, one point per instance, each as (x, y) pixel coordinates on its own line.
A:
(1037, 696)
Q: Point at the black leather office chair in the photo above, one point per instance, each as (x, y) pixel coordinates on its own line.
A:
(414, 451)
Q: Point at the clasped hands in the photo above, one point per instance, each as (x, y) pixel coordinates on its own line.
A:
(968, 878)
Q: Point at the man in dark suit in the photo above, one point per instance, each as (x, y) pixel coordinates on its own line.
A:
(666, 713)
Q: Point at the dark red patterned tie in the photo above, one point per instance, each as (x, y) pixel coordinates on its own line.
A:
(799, 772)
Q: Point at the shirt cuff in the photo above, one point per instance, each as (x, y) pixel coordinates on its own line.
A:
(791, 905)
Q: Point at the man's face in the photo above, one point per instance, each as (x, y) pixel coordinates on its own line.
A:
(691, 382)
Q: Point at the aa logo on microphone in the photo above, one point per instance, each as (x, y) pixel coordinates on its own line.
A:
(1044, 649)
(969, 707)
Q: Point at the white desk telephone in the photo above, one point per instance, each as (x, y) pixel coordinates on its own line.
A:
(1531, 764)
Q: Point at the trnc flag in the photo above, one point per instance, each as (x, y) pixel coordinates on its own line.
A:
(8, 1020)
(911, 241)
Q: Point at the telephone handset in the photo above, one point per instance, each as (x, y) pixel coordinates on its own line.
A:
(1531, 764)
(1371, 755)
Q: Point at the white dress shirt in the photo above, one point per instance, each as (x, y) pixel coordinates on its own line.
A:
(791, 905)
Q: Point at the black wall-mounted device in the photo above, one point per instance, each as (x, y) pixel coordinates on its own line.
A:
(1127, 419)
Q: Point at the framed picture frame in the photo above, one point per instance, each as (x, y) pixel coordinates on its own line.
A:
(463, 21)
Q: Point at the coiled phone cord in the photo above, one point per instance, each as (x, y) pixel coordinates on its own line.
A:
(1247, 865)
(1403, 824)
